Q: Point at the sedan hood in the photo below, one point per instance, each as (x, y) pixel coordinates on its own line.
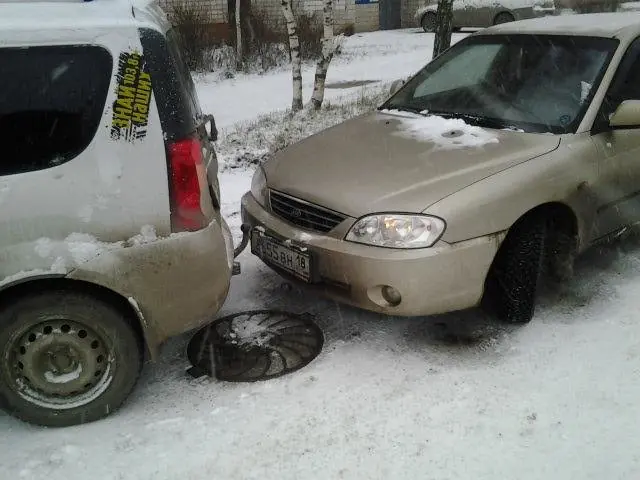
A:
(391, 161)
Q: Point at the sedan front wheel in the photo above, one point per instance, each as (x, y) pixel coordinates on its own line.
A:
(512, 283)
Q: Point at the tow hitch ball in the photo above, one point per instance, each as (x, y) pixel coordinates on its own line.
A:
(246, 229)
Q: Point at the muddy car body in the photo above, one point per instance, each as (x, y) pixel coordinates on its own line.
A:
(111, 238)
(462, 190)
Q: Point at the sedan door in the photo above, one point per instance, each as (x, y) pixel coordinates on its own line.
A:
(618, 189)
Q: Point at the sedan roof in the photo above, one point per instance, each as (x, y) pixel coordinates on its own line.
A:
(611, 25)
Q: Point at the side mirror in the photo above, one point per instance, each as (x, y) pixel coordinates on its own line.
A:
(212, 130)
(395, 86)
(627, 115)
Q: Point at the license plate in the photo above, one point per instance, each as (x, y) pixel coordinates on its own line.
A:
(274, 252)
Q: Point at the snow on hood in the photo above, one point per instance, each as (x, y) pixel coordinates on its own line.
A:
(443, 133)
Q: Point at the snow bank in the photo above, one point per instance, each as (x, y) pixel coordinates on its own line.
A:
(457, 397)
(630, 6)
(382, 56)
(251, 143)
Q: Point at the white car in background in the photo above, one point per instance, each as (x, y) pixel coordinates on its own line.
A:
(484, 13)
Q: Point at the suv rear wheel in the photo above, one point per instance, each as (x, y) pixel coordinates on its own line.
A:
(428, 22)
(503, 17)
(67, 358)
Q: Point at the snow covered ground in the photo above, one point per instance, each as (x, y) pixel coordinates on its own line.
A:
(454, 397)
(378, 56)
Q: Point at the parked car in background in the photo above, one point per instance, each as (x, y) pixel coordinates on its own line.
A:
(111, 238)
(498, 162)
(484, 13)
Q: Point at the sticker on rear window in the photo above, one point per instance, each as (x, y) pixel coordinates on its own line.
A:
(133, 96)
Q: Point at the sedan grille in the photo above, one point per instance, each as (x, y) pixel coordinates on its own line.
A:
(304, 214)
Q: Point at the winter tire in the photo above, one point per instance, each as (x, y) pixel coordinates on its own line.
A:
(67, 358)
(503, 17)
(428, 22)
(512, 283)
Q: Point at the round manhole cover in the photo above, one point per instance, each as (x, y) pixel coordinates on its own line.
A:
(255, 345)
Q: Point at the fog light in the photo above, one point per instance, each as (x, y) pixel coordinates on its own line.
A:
(391, 295)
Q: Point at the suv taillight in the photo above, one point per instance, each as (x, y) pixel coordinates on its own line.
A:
(187, 181)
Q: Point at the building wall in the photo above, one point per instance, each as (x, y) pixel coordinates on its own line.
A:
(344, 11)
(216, 11)
(367, 18)
(363, 16)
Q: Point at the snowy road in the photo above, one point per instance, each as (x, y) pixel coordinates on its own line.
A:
(456, 397)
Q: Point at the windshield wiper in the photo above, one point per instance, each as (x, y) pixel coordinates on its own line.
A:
(403, 108)
(477, 120)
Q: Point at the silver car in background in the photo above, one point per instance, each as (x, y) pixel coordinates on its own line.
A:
(484, 13)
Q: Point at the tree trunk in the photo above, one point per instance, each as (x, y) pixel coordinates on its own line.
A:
(294, 48)
(239, 51)
(444, 26)
(328, 49)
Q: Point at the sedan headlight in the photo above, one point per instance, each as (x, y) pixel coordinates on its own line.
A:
(395, 230)
(259, 186)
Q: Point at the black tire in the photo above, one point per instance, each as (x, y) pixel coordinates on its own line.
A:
(82, 355)
(503, 17)
(560, 255)
(428, 22)
(514, 277)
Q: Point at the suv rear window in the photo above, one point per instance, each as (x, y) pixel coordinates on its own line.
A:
(173, 86)
(51, 103)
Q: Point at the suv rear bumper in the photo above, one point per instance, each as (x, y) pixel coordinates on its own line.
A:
(176, 283)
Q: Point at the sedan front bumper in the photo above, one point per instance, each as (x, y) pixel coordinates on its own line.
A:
(444, 278)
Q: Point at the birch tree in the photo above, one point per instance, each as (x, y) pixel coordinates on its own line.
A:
(294, 48)
(329, 46)
(239, 51)
(444, 26)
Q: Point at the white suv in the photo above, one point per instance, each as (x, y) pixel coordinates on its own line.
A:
(111, 238)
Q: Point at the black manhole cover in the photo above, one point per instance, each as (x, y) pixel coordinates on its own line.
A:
(254, 345)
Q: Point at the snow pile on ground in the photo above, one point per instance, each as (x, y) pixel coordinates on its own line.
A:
(629, 7)
(379, 57)
(250, 143)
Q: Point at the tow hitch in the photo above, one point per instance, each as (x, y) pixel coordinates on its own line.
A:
(246, 229)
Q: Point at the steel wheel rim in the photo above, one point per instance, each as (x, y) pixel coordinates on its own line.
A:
(59, 364)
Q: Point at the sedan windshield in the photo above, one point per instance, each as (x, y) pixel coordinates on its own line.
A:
(537, 83)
